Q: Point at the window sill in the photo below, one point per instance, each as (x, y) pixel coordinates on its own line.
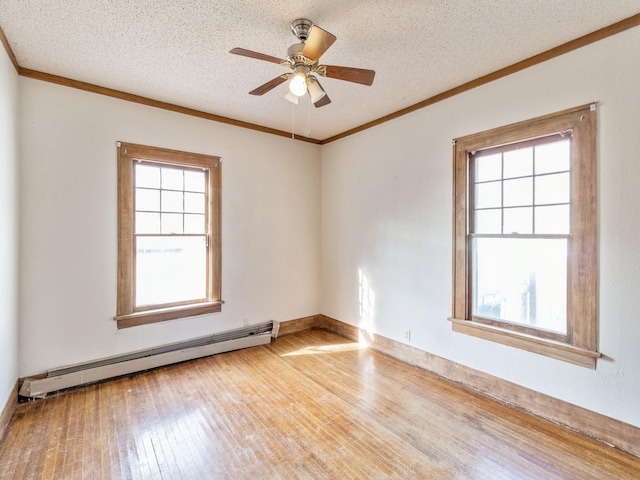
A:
(560, 351)
(164, 314)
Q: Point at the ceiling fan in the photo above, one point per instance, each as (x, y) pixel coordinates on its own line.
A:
(303, 59)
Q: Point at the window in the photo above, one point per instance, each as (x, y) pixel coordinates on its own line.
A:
(168, 235)
(525, 250)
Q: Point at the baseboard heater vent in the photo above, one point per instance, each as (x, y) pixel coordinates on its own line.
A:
(75, 375)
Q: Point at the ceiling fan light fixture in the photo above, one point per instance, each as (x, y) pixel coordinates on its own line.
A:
(316, 92)
(298, 84)
(291, 97)
(303, 58)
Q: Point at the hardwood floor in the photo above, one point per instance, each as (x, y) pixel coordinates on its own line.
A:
(310, 405)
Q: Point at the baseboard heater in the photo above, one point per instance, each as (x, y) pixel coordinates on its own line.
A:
(85, 373)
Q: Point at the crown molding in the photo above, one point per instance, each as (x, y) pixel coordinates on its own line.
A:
(110, 92)
(580, 42)
(592, 37)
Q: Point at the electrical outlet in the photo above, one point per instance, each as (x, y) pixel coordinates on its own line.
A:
(407, 335)
(245, 322)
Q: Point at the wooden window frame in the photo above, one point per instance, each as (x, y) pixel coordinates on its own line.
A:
(581, 343)
(127, 315)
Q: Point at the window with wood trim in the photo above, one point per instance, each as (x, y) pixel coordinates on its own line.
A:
(525, 235)
(168, 235)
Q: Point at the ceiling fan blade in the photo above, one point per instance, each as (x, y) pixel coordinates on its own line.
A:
(256, 55)
(323, 101)
(270, 85)
(350, 74)
(317, 43)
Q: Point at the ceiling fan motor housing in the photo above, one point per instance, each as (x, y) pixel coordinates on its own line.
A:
(295, 56)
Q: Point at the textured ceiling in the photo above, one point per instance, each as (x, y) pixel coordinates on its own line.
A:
(176, 51)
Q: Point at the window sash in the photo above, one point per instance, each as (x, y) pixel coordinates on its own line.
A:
(142, 290)
(507, 165)
(514, 322)
(161, 278)
(495, 200)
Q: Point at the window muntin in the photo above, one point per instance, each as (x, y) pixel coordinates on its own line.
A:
(553, 204)
(169, 234)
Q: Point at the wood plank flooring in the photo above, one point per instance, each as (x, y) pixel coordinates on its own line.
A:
(312, 405)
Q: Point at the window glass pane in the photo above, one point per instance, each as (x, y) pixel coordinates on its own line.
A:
(147, 199)
(553, 219)
(489, 168)
(194, 224)
(553, 157)
(172, 179)
(522, 281)
(488, 221)
(170, 269)
(194, 202)
(171, 223)
(518, 163)
(194, 181)
(488, 195)
(518, 192)
(147, 176)
(552, 188)
(147, 222)
(172, 201)
(518, 220)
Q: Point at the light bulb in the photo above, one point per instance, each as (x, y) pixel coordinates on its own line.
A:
(298, 84)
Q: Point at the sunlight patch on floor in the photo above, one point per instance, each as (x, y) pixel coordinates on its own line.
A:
(319, 349)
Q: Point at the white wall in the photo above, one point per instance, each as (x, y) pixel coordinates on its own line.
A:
(8, 227)
(386, 234)
(387, 213)
(270, 224)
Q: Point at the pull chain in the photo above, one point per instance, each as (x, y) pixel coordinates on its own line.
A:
(293, 121)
